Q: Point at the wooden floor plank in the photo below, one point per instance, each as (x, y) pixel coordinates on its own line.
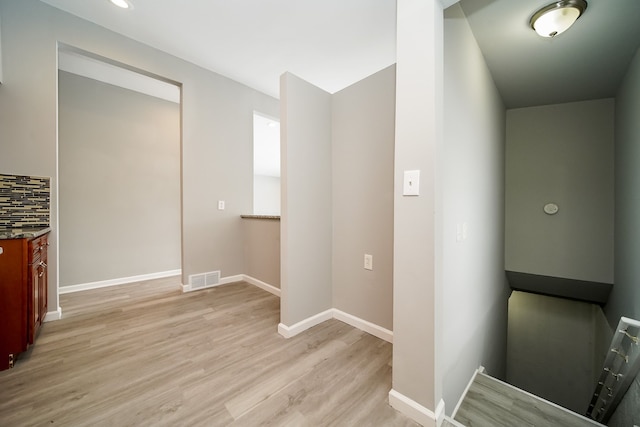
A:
(492, 403)
(147, 354)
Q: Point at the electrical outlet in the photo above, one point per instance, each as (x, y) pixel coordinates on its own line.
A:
(220, 205)
(368, 262)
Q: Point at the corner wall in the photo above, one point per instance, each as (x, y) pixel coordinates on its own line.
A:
(475, 292)
(306, 217)
(363, 121)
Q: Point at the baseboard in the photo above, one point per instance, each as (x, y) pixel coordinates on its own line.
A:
(466, 390)
(238, 278)
(53, 315)
(116, 282)
(262, 285)
(303, 325)
(231, 279)
(416, 411)
(363, 325)
(453, 422)
(334, 313)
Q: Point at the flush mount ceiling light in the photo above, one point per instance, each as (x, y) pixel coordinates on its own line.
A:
(557, 17)
(125, 4)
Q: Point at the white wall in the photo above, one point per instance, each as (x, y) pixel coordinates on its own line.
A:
(306, 220)
(561, 154)
(417, 297)
(363, 123)
(475, 291)
(119, 182)
(217, 114)
(266, 195)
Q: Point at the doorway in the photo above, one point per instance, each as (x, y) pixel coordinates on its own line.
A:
(119, 174)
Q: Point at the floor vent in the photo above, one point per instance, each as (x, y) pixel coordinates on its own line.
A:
(204, 280)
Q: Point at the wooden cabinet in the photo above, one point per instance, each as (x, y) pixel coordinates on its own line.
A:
(23, 294)
(37, 287)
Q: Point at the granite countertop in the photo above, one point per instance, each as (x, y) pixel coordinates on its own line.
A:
(277, 217)
(23, 233)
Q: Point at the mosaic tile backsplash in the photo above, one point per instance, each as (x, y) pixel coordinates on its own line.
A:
(24, 201)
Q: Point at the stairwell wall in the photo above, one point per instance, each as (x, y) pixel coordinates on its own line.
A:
(625, 296)
(475, 290)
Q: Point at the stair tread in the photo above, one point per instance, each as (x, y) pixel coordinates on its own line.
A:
(492, 403)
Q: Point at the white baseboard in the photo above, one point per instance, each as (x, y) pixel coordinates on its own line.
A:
(231, 279)
(53, 315)
(303, 325)
(238, 278)
(262, 285)
(466, 390)
(363, 325)
(416, 411)
(334, 313)
(453, 422)
(115, 282)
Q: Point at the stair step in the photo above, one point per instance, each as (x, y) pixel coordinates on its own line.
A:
(493, 403)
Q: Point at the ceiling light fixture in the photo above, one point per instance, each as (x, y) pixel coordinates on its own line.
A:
(557, 17)
(125, 4)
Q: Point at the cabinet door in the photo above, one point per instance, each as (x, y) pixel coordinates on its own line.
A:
(34, 306)
(13, 300)
(43, 280)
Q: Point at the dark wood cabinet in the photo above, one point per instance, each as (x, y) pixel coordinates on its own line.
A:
(23, 294)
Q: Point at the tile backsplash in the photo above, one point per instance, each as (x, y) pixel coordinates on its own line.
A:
(24, 201)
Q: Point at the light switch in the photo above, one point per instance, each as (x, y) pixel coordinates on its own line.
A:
(368, 262)
(411, 183)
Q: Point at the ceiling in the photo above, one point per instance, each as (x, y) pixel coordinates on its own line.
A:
(334, 43)
(586, 62)
(331, 43)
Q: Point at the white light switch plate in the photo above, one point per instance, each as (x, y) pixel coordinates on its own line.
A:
(411, 185)
(368, 262)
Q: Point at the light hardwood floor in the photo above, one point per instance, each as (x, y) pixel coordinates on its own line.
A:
(492, 403)
(146, 354)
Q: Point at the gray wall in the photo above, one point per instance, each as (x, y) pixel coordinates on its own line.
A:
(625, 296)
(475, 295)
(119, 182)
(553, 348)
(306, 224)
(262, 249)
(363, 121)
(561, 154)
(217, 117)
